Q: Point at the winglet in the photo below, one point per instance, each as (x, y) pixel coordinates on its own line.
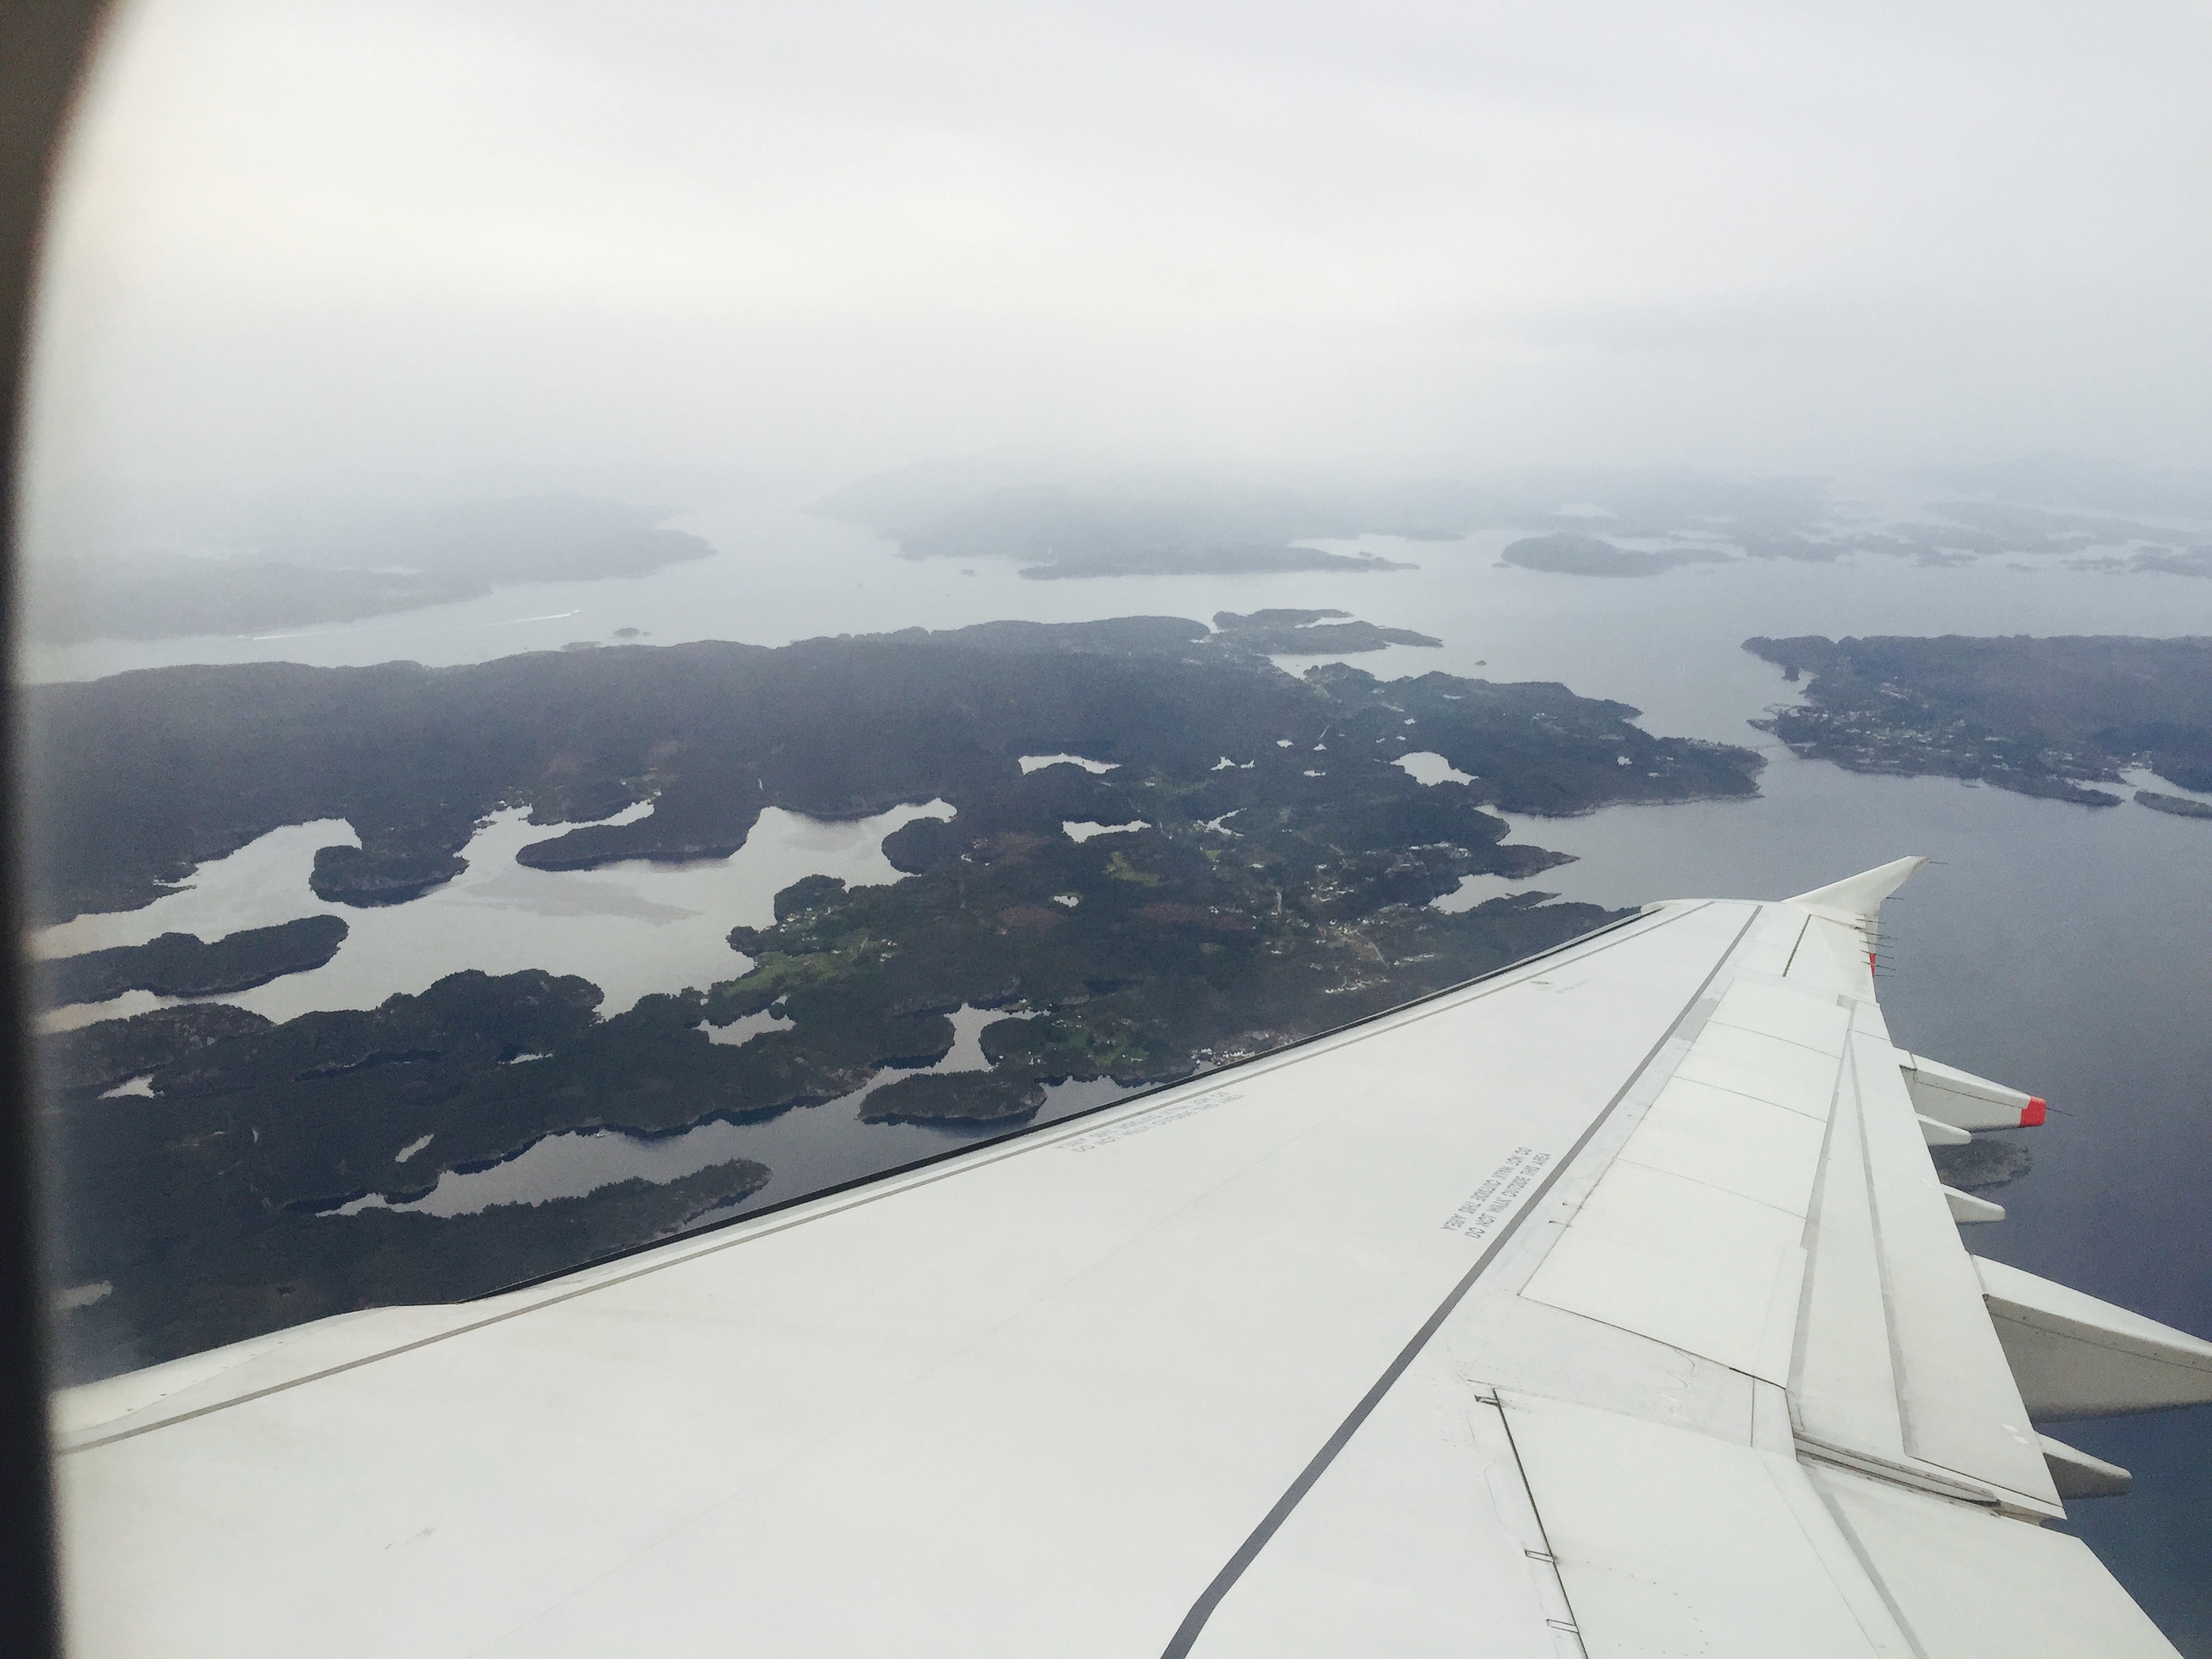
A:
(1859, 897)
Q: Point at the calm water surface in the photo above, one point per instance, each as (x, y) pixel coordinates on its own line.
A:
(631, 928)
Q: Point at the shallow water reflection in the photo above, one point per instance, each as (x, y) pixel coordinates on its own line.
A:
(631, 928)
(805, 1148)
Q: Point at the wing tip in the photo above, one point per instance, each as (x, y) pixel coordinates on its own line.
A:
(1861, 895)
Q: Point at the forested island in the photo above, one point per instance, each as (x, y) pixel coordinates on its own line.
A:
(1570, 554)
(2179, 806)
(183, 966)
(1254, 868)
(2050, 717)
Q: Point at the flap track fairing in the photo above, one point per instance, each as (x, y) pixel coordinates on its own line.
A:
(2075, 1356)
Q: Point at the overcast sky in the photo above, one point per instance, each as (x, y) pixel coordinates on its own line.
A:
(304, 240)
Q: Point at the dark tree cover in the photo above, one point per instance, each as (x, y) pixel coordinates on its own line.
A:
(181, 965)
(2039, 716)
(202, 1206)
(152, 774)
(97, 1057)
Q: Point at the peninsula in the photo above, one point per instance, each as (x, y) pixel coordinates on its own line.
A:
(183, 966)
(2051, 717)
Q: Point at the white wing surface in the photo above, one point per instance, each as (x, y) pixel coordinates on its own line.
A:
(1610, 1306)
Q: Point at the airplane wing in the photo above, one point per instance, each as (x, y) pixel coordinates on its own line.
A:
(1607, 1306)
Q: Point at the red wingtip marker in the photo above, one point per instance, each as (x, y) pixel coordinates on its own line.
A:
(2032, 1113)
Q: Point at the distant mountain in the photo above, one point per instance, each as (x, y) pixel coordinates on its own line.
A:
(338, 569)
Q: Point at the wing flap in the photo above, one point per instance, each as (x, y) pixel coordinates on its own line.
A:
(2077, 1474)
(1684, 1263)
(1673, 1542)
(1743, 1145)
(2073, 1356)
(1764, 1067)
(1960, 1406)
(1843, 1387)
(1420, 1533)
(1968, 1583)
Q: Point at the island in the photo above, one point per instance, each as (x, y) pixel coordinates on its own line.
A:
(152, 773)
(1213, 559)
(1266, 870)
(183, 965)
(2179, 806)
(1571, 554)
(2047, 717)
(373, 563)
(1310, 633)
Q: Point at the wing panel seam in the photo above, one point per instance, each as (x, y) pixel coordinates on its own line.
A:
(1195, 1621)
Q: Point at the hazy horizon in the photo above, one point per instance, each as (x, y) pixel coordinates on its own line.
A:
(399, 248)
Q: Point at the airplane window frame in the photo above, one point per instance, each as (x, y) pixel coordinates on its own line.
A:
(45, 45)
